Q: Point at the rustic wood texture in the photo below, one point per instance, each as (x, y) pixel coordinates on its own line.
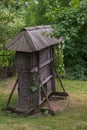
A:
(34, 65)
(45, 73)
(35, 69)
(43, 85)
(33, 39)
(52, 69)
(25, 63)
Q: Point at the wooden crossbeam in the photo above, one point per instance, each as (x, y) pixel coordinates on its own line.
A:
(46, 80)
(35, 69)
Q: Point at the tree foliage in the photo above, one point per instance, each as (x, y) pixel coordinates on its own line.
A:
(10, 23)
(71, 23)
(69, 20)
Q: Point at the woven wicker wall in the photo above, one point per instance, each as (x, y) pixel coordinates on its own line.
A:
(27, 99)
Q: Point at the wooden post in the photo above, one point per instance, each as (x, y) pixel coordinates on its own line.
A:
(52, 70)
(59, 77)
(9, 99)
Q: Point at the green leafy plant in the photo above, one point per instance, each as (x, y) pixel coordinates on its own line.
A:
(70, 22)
(34, 88)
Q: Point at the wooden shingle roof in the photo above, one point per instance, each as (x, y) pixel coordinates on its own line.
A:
(32, 39)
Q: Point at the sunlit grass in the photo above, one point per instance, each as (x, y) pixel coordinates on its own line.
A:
(79, 87)
(74, 117)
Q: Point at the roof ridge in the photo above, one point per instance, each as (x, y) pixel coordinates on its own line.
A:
(36, 28)
(29, 43)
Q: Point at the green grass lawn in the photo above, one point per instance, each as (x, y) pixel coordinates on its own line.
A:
(74, 117)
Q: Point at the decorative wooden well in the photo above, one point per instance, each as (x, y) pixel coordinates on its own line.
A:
(34, 59)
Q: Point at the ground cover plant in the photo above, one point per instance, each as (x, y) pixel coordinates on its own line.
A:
(74, 117)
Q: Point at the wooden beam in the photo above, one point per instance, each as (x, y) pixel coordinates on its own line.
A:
(52, 70)
(46, 97)
(46, 80)
(59, 77)
(9, 99)
(35, 69)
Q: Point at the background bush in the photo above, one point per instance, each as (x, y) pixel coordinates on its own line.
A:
(69, 20)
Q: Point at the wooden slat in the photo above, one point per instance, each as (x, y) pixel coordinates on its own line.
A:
(46, 80)
(35, 69)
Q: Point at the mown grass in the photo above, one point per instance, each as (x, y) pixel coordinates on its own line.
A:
(74, 117)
